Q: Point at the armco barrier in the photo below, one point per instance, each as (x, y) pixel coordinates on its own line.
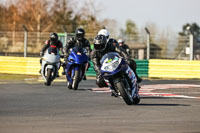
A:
(142, 68)
(152, 68)
(19, 65)
(174, 69)
(28, 65)
(31, 66)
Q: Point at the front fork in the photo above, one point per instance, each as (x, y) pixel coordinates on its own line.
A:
(111, 86)
(135, 87)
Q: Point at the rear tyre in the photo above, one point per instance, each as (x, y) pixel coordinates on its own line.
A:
(49, 77)
(125, 93)
(76, 80)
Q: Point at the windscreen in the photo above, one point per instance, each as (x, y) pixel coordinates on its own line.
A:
(79, 49)
(109, 56)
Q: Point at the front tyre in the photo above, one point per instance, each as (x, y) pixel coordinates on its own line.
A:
(76, 80)
(136, 100)
(49, 77)
(69, 85)
(125, 93)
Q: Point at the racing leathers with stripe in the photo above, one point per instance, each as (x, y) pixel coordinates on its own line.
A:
(96, 56)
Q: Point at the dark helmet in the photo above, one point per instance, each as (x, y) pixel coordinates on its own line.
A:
(54, 37)
(100, 42)
(80, 33)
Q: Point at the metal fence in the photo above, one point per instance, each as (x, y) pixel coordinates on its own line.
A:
(168, 48)
(14, 43)
(22, 43)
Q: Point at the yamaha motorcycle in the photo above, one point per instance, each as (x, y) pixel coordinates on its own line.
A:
(120, 78)
(76, 66)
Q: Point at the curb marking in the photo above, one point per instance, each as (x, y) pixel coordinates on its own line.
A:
(146, 90)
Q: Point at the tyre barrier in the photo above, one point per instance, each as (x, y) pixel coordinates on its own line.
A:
(31, 66)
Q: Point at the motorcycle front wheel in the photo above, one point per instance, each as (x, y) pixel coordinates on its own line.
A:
(49, 77)
(125, 93)
(69, 85)
(76, 80)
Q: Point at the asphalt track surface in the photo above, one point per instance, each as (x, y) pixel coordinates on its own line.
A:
(167, 106)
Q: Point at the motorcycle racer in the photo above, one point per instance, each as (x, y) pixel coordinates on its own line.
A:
(101, 47)
(52, 45)
(79, 40)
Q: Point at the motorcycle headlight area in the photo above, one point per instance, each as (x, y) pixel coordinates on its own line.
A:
(111, 66)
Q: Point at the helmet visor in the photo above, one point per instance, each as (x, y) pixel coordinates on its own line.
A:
(99, 46)
(80, 36)
(54, 38)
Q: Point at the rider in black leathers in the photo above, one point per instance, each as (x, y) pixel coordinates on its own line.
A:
(124, 46)
(101, 47)
(79, 40)
(52, 45)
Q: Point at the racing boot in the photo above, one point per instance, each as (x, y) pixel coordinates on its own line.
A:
(114, 94)
(57, 74)
(63, 73)
(63, 65)
(84, 77)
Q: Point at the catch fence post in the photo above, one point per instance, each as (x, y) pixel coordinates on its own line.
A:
(148, 43)
(191, 46)
(65, 31)
(25, 40)
(191, 41)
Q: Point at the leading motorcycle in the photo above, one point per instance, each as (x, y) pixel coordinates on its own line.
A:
(120, 78)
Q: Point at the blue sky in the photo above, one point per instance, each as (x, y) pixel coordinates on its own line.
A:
(165, 14)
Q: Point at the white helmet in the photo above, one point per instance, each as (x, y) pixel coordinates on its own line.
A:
(104, 32)
(120, 41)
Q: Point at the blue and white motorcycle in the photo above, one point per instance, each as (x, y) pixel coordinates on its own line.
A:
(120, 78)
(77, 64)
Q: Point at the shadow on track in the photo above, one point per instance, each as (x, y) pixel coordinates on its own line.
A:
(161, 104)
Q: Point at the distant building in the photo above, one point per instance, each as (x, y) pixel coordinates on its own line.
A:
(138, 50)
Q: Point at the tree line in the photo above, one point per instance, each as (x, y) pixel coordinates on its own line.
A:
(46, 16)
(53, 15)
